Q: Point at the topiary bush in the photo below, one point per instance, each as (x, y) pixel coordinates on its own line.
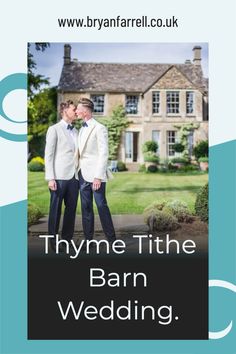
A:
(121, 166)
(201, 149)
(159, 220)
(150, 146)
(178, 147)
(201, 204)
(179, 210)
(34, 214)
(36, 164)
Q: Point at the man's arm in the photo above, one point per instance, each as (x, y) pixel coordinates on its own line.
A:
(102, 144)
(51, 141)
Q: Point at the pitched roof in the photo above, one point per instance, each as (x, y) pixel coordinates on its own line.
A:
(118, 77)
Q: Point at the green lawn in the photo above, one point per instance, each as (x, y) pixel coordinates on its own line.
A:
(130, 192)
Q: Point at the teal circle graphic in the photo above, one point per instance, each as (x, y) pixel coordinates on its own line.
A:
(8, 84)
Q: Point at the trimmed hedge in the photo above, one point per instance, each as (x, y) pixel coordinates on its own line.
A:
(34, 214)
(201, 204)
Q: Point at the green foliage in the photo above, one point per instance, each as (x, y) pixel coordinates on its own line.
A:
(42, 112)
(121, 166)
(34, 213)
(175, 208)
(159, 220)
(35, 166)
(184, 130)
(142, 168)
(150, 146)
(188, 168)
(152, 168)
(182, 160)
(150, 156)
(35, 81)
(201, 149)
(178, 147)
(180, 210)
(115, 125)
(201, 204)
(203, 159)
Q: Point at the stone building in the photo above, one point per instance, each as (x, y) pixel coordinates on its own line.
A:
(156, 97)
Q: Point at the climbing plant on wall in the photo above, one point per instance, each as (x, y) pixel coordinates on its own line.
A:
(115, 125)
(183, 132)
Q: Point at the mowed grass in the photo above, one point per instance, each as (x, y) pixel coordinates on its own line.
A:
(130, 192)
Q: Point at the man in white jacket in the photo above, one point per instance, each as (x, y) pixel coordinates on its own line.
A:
(60, 172)
(93, 171)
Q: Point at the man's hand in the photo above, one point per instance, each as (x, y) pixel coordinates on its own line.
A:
(96, 184)
(52, 184)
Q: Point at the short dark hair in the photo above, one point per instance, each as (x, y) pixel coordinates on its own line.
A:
(86, 103)
(64, 105)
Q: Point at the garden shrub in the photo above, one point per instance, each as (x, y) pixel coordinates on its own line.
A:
(150, 146)
(182, 160)
(179, 210)
(152, 168)
(201, 149)
(36, 164)
(178, 147)
(34, 213)
(188, 168)
(159, 220)
(201, 204)
(203, 159)
(121, 166)
(142, 168)
(156, 206)
(151, 157)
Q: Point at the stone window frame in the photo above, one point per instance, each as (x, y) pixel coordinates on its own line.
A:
(169, 144)
(103, 103)
(174, 102)
(192, 102)
(156, 102)
(137, 103)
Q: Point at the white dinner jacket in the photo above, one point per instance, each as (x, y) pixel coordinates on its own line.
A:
(60, 153)
(93, 152)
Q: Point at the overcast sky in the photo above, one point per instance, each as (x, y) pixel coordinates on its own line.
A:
(50, 62)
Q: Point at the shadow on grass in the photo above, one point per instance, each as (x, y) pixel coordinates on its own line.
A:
(134, 189)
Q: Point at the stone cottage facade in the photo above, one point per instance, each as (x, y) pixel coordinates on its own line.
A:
(156, 97)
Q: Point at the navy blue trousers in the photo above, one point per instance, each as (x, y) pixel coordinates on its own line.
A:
(67, 191)
(86, 196)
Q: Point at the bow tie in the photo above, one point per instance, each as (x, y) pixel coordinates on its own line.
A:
(69, 126)
(84, 124)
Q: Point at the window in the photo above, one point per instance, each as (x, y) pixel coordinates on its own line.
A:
(131, 104)
(155, 102)
(190, 143)
(128, 145)
(171, 140)
(98, 101)
(156, 137)
(189, 102)
(172, 100)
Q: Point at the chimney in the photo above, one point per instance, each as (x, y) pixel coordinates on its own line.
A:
(187, 61)
(197, 55)
(67, 53)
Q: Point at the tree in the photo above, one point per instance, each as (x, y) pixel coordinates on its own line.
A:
(115, 125)
(35, 81)
(42, 112)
